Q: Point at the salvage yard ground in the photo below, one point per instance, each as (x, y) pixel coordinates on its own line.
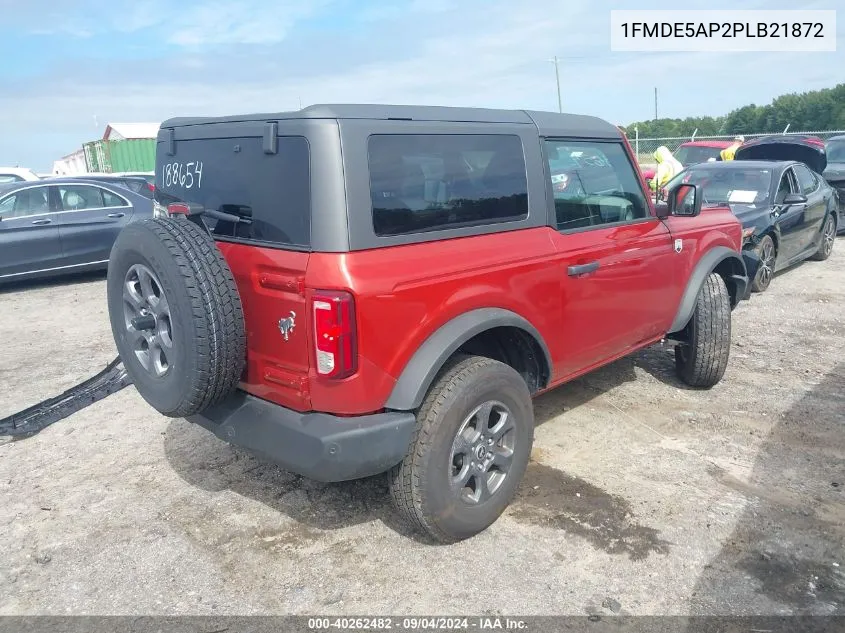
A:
(643, 496)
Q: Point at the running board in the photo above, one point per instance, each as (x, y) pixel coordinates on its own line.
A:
(36, 418)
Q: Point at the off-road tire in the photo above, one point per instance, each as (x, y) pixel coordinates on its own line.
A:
(420, 484)
(826, 249)
(702, 359)
(206, 315)
(761, 282)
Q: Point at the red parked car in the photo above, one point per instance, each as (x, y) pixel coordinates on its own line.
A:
(354, 290)
(694, 152)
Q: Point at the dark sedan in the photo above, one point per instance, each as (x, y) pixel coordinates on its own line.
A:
(834, 173)
(62, 225)
(788, 211)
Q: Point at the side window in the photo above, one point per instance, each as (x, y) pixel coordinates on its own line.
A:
(784, 188)
(7, 178)
(593, 184)
(80, 197)
(426, 182)
(806, 179)
(25, 202)
(7, 206)
(112, 200)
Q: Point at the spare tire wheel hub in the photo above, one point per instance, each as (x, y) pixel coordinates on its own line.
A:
(147, 319)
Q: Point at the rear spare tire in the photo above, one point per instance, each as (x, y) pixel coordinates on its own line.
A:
(176, 315)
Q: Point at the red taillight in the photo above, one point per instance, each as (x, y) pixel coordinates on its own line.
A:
(335, 336)
(151, 186)
(178, 208)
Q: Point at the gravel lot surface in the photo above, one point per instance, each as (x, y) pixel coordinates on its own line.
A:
(643, 497)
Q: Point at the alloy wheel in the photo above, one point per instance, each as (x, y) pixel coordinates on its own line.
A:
(767, 264)
(829, 236)
(482, 452)
(146, 315)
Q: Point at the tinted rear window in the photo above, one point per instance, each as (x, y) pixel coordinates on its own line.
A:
(235, 176)
(424, 182)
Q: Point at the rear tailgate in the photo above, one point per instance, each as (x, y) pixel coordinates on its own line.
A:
(272, 287)
(267, 250)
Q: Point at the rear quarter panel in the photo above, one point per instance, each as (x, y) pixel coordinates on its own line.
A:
(404, 294)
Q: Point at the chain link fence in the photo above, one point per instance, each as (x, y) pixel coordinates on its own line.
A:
(645, 147)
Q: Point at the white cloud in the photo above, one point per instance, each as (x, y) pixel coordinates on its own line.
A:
(141, 15)
(475, 53)
(64, 28)
(239, 22)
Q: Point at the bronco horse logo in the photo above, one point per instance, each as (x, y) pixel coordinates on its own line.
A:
(287, 324)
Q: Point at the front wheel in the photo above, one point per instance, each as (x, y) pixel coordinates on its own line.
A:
(768, 257)
(701, 360)
(828, 239)
(469, 451)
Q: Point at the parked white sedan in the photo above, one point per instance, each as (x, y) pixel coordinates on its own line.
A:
(16, 174)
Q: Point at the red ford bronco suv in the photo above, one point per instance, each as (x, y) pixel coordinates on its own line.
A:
(353, 290)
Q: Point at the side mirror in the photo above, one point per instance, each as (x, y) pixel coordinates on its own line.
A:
(794, 198)
(685, 200)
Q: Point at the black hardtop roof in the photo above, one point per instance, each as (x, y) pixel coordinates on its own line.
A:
(546, 122)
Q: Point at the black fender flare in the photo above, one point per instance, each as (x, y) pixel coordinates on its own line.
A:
(708, 262)
(418, 374)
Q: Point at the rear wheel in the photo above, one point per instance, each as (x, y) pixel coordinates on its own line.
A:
(469, 452)
(768, 257)
(176, 315)
(828, 239)
(702, 359)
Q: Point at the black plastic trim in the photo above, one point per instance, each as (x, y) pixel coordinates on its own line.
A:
(705, 266)
(419, 373)
(319, 446)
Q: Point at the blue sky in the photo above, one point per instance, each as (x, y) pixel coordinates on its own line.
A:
(71, 66)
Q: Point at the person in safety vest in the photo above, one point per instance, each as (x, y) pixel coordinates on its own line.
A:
(667, 167)
(728, 152)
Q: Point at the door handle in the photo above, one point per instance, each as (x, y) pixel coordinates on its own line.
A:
(116, 215)
(582, 269)
(41, 222)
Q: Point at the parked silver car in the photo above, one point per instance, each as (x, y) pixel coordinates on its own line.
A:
(62, 225)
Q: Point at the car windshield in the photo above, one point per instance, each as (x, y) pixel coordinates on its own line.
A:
(835, 151)
(749, 186)
(692, 154)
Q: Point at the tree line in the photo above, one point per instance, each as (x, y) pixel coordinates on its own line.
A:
(814, 110)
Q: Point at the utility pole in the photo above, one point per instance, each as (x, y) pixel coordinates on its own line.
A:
(655, 103)
(557, 78)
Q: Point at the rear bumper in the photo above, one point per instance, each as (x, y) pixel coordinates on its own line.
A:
(316, 445)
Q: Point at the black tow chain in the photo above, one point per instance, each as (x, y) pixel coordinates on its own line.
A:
(36, 418)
